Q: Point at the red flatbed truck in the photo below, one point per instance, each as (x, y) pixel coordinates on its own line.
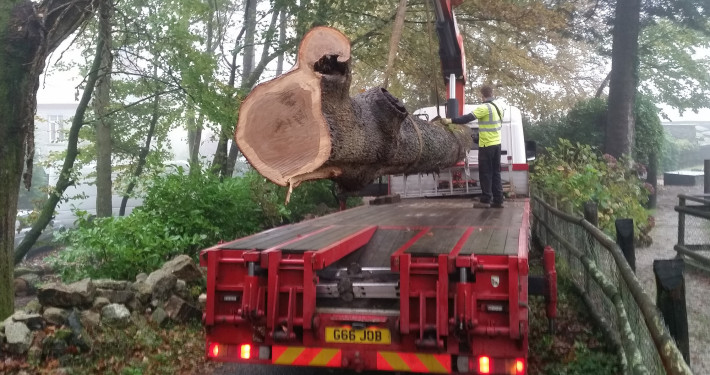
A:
(425, 285)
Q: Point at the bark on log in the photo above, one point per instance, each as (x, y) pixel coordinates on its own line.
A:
(304, 125)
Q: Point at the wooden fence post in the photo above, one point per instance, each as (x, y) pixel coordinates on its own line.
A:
(625, 240)
(591, 214)
(706, 177)
(670, 299)
(652, 178)
(681, 222)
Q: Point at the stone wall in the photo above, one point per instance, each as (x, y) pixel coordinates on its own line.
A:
(79, 309)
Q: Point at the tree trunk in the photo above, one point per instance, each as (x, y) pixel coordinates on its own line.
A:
(104, 204)
(220, 155)
(28, 33)
(250, 32)
(624, 77)
(303, 125)
(194, 139)
(231, 159)
(226, 155)
(282, 42)
(602, 86)
(652, 178)
(394, 40)
(194, 127)
(143, 155)
(64, 181)
(221, 158)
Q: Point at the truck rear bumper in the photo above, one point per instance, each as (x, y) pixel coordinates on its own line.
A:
(361, 360)
(453, 298)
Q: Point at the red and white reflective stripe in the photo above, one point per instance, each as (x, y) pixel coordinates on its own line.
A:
(301, 356)
(414, 362)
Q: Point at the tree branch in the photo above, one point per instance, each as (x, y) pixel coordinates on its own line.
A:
(63, 17)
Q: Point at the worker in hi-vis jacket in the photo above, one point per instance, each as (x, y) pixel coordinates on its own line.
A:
(490, 121)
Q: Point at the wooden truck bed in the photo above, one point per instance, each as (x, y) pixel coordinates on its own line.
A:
(489, 231)
(427, 284)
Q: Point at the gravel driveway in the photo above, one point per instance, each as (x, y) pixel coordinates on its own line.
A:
(697, 283)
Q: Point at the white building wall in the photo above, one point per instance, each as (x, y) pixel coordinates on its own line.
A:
(52, 123)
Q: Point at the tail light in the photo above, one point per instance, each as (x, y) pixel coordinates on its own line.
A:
(245, 351)
(484, 365)
(519, 366)
(214, 350)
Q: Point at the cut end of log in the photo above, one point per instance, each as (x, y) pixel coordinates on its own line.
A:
(281, 128)
(285, 121)
(323, 42)
(304, 125)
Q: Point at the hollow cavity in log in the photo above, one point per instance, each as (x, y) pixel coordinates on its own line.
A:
(303, 125)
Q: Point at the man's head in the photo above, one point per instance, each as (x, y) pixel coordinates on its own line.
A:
(486, 91)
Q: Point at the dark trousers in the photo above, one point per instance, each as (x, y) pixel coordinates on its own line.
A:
(489, 174)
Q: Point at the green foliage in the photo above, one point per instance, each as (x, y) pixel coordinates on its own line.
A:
(180, 215)
(672, 70)
(579, 360)
(574, 174)
(649, 134)
(577, 347)
(583, 124)
(315, 198)
(586, 121)
(183, 214)
(493, 33)
(35, 197)
(675, 152)
(220, 210)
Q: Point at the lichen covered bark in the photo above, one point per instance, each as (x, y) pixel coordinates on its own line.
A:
(18, 45)
(373, 135)
(29, 31)
(304, 125)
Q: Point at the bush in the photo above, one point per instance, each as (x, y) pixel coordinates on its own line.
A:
(203, 204)
(585, 123)
(183, 214)
(315, 198)
(180, 215)
(678, 154)
(574, 174)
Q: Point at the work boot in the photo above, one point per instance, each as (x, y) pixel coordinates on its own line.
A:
(481, 205)
(497, 205)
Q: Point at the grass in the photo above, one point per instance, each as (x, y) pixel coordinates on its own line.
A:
(141, 348)
(577, 347)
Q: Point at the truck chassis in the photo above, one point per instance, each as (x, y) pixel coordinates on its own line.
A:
(426, 285)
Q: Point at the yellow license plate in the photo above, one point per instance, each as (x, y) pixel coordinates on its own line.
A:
(348, 335)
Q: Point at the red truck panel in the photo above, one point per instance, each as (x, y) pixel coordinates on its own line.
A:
(459, 300)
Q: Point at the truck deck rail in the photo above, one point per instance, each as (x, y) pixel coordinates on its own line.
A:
(426, 285)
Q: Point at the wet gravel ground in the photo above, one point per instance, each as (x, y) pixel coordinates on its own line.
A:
(697, 282)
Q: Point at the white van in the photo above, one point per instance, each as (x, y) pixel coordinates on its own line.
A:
(462, 179)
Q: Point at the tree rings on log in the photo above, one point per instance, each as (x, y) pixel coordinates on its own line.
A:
(303, 125)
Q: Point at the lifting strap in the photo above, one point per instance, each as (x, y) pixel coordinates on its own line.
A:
(431, 52)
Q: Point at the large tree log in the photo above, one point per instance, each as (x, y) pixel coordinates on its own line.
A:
(304, 125)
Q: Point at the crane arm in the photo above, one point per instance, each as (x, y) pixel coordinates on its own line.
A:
(451, 54)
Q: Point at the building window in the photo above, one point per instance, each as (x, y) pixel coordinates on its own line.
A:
(56, 128)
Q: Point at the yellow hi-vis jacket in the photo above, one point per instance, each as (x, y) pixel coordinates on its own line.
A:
(489, 124)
